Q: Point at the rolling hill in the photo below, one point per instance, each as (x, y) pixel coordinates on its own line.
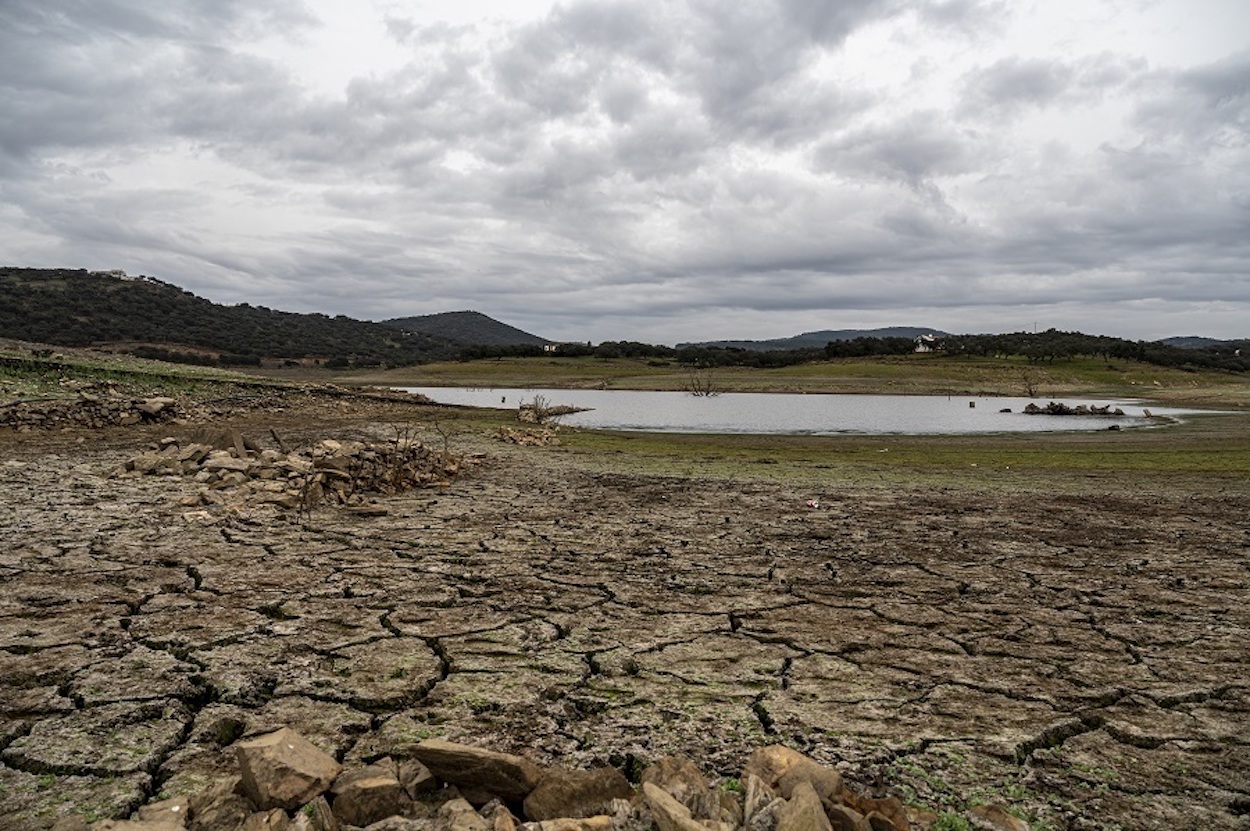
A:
(468, 328)
(152, 319)
(817, 340)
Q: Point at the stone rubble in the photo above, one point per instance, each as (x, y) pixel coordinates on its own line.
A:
(288, 783)
(95, 411)
(339, 472)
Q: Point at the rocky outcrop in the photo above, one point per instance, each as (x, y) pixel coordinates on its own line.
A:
(1059, 409)
(288, 783)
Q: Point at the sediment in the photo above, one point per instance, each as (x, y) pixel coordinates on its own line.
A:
(1078, 657)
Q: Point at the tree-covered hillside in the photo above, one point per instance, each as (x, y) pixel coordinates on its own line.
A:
(154, 319)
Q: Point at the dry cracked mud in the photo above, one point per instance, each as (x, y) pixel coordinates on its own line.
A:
(1082, 657)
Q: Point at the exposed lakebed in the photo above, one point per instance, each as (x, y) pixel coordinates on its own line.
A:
(800, 414)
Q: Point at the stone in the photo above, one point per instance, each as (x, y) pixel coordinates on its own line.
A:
(367, 795)
(995, 818)
(282, 769)
(783, 768)
(504, 775)
(154, 406)
(416, 778)
(843, 818)
(878, 821)
(890, 807)
(575, 793)
(803, 811)
(275, 820)
(669, 814)
(167, 810)
(316, 816)
(681, 778)
(458, 815)
(220, 806)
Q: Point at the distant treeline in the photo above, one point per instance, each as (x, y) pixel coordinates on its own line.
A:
(80, 308)
(1035, 347)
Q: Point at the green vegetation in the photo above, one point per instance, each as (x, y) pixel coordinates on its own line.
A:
(152, 319)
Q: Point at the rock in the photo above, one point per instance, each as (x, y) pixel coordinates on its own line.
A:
(316, 816)
(154, 406)
(575, 793)
(506, 776)
(284, 770)
(681, 778)
(843, 818)
(458, 815)
(167, 810)
(995, 818)
(783, 768)
(880, 822)
(416, 778)
(220, 806)
(669, 814)
(803, 812)
(275, 820)
(367, 795)
(890, 807)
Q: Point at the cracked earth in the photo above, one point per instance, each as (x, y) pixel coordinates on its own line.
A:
(1081, 656)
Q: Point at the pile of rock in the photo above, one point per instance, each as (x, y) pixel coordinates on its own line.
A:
(1058, 408)
(88, 410)
(340, 472)
(288, 783)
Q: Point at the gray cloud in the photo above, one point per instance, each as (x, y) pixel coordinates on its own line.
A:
(653, 167)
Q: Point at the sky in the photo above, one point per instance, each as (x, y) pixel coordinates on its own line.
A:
(651, 170)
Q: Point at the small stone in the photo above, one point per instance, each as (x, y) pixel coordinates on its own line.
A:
(996, 818)
(782, 769)
(275, 820)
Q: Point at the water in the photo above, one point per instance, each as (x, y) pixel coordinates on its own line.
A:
(800, 414)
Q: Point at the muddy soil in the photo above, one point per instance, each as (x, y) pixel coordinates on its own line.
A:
(1083, 658)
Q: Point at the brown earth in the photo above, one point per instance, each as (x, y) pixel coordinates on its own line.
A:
(1078, 655)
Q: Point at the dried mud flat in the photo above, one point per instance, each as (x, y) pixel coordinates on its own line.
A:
(1081, 657)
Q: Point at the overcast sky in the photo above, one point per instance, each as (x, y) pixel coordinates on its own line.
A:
(655, 170)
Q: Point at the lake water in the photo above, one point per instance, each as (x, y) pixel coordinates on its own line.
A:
(789, 413)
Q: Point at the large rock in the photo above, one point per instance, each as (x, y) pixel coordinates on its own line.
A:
(284, 770)
(509, 777)
(782, 769)
(365, 796)
(804, 811)
(575, 793)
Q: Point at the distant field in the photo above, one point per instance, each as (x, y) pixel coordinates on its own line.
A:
(911, 374)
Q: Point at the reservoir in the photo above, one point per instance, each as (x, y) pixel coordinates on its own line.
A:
(801, 414)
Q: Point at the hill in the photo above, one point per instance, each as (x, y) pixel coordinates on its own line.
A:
(468, 328)
(152, 319)
(817, 340)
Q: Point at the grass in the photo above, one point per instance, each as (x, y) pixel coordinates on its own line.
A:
(1215, 449)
